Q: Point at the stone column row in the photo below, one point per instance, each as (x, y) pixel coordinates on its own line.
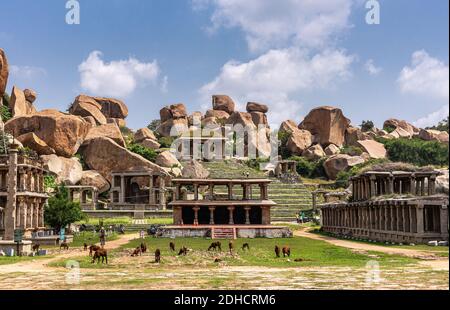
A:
(30, 213)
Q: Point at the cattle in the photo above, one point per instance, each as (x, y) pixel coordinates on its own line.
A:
(35, 247)
(286, 251)
(183, 251)
(277, 251)
(245, 246)
(85, 247)
(93, 249)
(64, 246)
(215, 246)
(143, 247)
(157, 256)
(136, 252)
(100, 253)
(231, 247)
(172, 246)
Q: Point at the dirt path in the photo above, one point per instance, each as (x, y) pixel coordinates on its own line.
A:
(431, 258)
(41, 265)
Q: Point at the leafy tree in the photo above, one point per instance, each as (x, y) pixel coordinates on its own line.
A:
(367, 125)
(310, 169)
(442, 125)
(166, 142)
(416, 151)
(154, 124)
(145, 152)
(5, 113)
(60, 211)
(50, 182)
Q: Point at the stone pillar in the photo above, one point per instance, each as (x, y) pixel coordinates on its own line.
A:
(162, 193)
(265, 211)
(403, 218)
(29, 206)
(151, 192)
(196, 209)
(211, 191)
(372, 186)
(444, 220)
(178, 192)
(10, 210)
(431, 185)
(411, 219)
(420, 218)
(41, 214)
(122, 190)
(391, 185)
(412, 181)
(211, 215)
(247, 215)
(23, 213)
(230, 191)
(195, 191)
(230, 215)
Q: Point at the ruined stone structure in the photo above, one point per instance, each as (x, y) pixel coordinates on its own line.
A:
(286, 167)
(87, 196)
(203, 148)
(199, 211)
(390, 207)
(22, 196)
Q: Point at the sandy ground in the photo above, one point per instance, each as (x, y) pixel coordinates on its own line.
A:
(142, 273)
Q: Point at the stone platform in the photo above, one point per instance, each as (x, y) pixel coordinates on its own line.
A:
(24, 246)
(236, 231)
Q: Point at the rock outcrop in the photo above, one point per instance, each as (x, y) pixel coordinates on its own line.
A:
(442, 182)
(30, 95)
(353, 135)
(86, 106)
(173, 127)
(217, 114)
(332, 150)
(373, 148)
(93, 178)
(299, 141)
(241, 118)
(340, 162)
(111, 131)
(433, 135)
(144, 134)
(4, 72)
(62, 132)
(167, 159)
(151, 144)
(314, 153)
(105, 156)
(257, 107)
(194, 170)
(223, 103)
(288, 126)
(18, 104)
(395, 123)
(112, 108)
(327, 124)
(33, 142)
(68, 170)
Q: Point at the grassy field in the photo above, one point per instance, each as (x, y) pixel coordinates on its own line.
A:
(124, 221)
(18, 259)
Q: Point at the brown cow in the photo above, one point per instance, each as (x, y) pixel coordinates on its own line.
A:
(35, 247)
(245, 246)
(231, 246)
(93, 248)
(64, 246)
(157, 256)
(100, 253)
(183, 251)
(215, 246)
(136, 252)
(286, 251)
(277, 251)
(143, 247)
(172, 246)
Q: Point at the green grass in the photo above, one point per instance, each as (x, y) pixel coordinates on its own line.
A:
(124, 221)
(4, 260)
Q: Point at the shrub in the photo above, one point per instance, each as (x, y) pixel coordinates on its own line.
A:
(27, 152)
(60, 211)
(5, 138)
(145, 152)
(442, 125)
(343, 176)
(283, 138)
(310, 169)
(166, 142)
(154, 124)
(255, 163)
(5, 113)
(367, 126)
(416, 151)
(82, 161)
(351, 150)
(50, 183)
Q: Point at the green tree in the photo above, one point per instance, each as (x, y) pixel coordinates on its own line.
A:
(442, 125)
(60, 211)
(367, 125)
(154, 124)
(145, 152)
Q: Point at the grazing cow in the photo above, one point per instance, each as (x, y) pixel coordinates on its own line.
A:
(157, 256)
(100, 253)
(64, 246)
(93, 249)
(143, 247)
(217, 260)
(172, 246)
(215, 246)
(85, 247)
(298, 260)
(183, 251)
(277, 251)
(245, 246)
(286, 251)
(231, 246)
(137, 251)
(35, 247)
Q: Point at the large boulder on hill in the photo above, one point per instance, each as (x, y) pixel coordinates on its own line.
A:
(395, 123)
(93, 178)
(165, 114)
(111, 131)
(442, 182)
(399, 133)
(18, 103)
(259, 118)
(33, 142)
(62, 132)
(241, 118)
(195, 118)
(314, 153)
(30, 95)
(105, 156)
(143, 134)
(332, 150)
(210, 122)
(112, 108)
(174, 111)
(433, 135)
(257, 107)
(4, 72)
(373, 148)
(194, 170)
(86, 106)
(288, 126)
(299, 141)
(223, 103)
(340, 162)
(173, 127)
(67, 170)
(150, 144)
(327, 124)
(353, 135)
(118, 121)
(167, 159)
(90, 120)
(217, 114)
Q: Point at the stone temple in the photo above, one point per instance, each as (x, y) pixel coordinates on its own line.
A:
(394, 206)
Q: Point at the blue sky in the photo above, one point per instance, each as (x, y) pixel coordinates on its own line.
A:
(292, 55)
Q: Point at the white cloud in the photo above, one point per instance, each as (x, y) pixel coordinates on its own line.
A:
(432, 118)
(26, 72)
(276, 75)
(372, 68)
(117, 78)
(426, 76)
(164, 84)
(277, 24)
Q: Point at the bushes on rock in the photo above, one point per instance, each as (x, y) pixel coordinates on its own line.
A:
(5, 113)
(166, 142)
(310, 169)
(367, 126)
(342, 178)
(283, 138)
(351, 150)
(417, 152)
(441, 126)
(145, 152)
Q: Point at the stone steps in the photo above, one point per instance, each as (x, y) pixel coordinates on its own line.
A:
(223, 233)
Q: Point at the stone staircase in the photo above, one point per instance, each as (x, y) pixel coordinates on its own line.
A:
(223, 233)
(290, 198)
